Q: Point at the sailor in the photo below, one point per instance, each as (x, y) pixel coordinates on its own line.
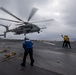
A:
(28, 49)
(66, 41)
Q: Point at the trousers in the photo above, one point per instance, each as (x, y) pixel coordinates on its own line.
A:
(26, 52)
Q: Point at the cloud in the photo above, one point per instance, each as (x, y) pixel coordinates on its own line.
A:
(62, 11)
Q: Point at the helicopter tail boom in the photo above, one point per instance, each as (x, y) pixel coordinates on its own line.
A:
(4, 34)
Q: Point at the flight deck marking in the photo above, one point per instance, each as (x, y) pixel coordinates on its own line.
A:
(49, 43)
(54, 52)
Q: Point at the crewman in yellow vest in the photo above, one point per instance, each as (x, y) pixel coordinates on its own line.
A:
(66, 41)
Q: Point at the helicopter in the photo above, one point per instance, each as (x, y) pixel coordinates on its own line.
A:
(24, 27)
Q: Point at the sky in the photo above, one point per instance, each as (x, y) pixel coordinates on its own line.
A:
(62, 11)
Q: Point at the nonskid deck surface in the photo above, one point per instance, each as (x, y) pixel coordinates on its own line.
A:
(50, 59)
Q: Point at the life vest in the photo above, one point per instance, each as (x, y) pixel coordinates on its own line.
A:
(66, 38)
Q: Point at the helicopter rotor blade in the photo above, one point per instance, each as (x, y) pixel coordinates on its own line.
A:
(20, 24)
(3, 9)
(36, 22)
(43, 21)
(32, 13)
(10, 20)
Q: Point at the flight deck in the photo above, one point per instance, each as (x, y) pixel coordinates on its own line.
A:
(50, 58)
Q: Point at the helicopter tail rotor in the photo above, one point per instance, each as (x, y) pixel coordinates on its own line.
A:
(7, 28)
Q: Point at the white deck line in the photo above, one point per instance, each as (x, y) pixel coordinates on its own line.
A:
(49, 43)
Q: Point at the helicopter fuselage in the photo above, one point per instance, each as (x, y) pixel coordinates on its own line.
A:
(25, 29)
